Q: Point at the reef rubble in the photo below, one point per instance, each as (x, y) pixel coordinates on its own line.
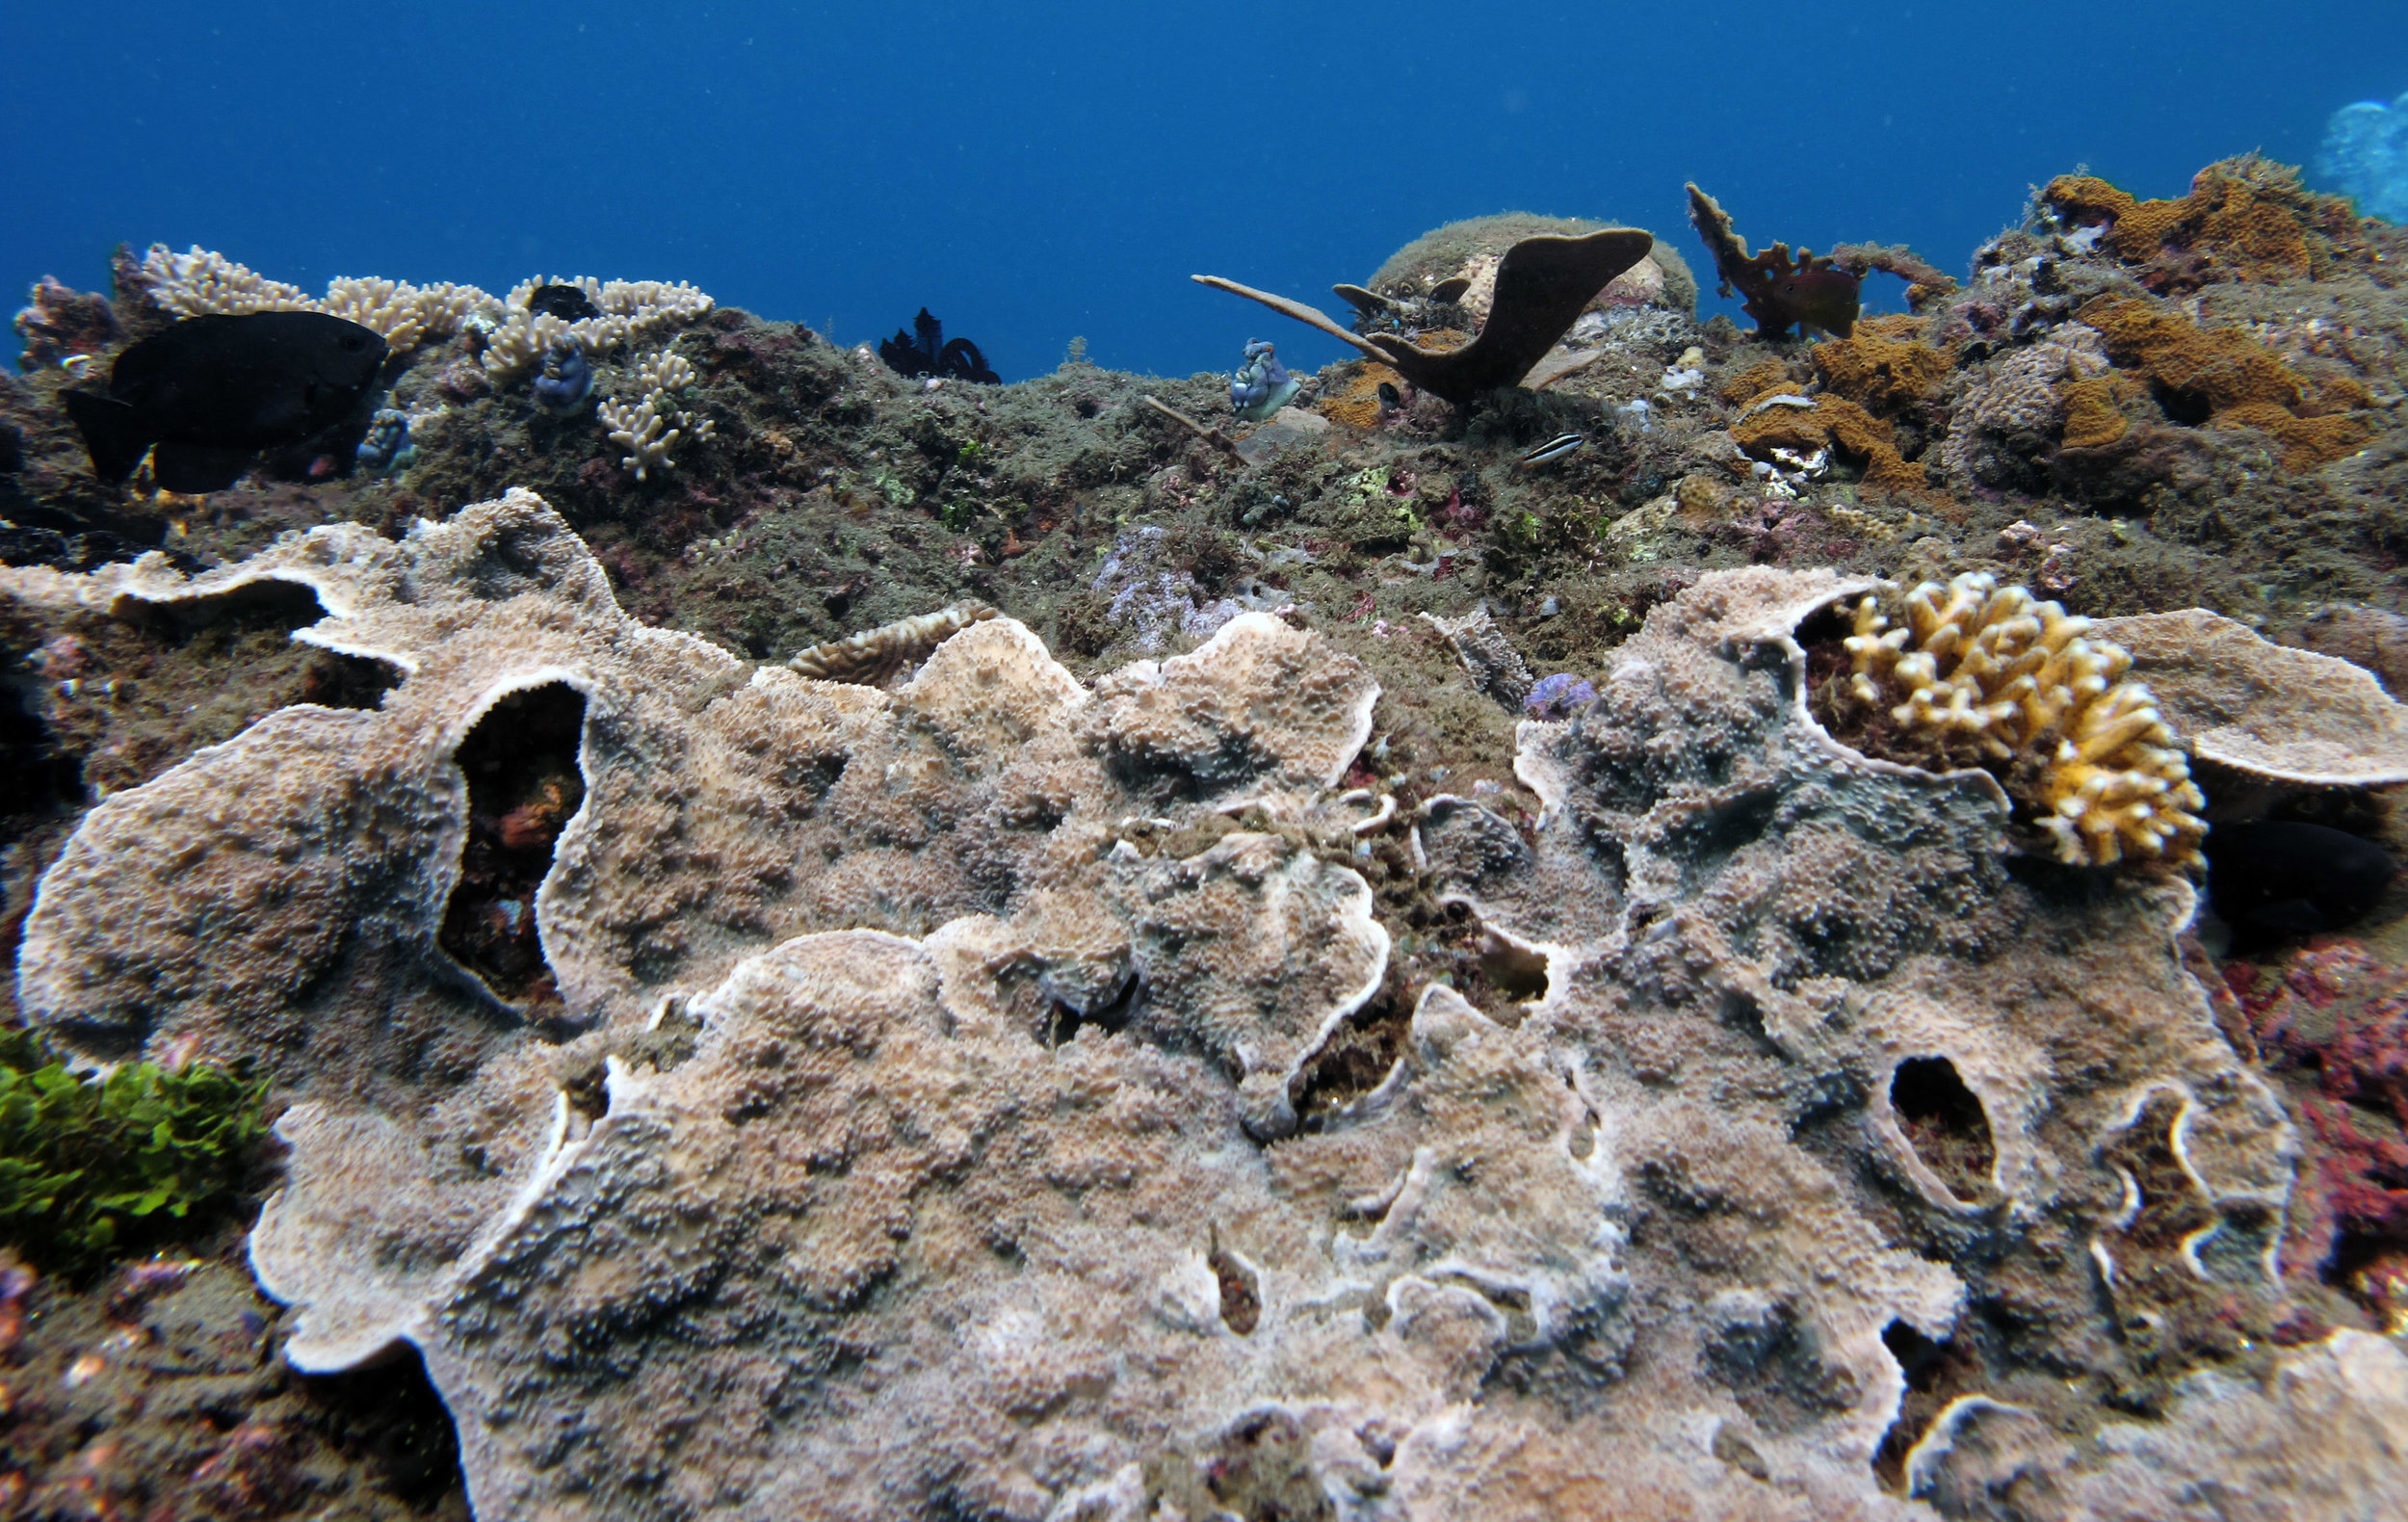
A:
(825, 942)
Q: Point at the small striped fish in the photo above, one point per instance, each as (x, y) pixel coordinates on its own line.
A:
(1555, 448)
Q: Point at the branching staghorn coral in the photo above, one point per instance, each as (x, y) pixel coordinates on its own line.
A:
(653, 425)
(198, 283)
(1985, 673)
(649, 429)
(631, 311)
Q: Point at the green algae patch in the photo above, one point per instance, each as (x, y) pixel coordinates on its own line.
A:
(97, 1167)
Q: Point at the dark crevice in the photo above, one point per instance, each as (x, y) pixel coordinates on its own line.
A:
(1944, 1123)
(1355, 1060)
(1937, 1374)
(269, 603)
(1074, 1001)
(389, 1418)
(1240, 1291)
(520, 763)
(1517, 972)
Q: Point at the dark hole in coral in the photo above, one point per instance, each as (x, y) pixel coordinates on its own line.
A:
(588, 1092)
(1356, 1059)
(2370, 1266)
(2171, 1205)
(389, 1418)
(2190, 408)
(218, 625)
(520, 762)
(1518, 973)
(1733, 824)
(1070, 1008)
(347, 681)
(265, 604)
(1241, 1292)
(1944, 1123)
(1936, 1374)
(1741, 1011)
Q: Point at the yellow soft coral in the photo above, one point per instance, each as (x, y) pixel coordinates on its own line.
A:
(1984, 672)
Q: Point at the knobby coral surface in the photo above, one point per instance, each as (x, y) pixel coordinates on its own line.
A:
(914, 1127)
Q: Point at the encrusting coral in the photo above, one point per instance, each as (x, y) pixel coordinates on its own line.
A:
(953, 1062)
(1980, 674)
(2235, 380)
(2262, 709)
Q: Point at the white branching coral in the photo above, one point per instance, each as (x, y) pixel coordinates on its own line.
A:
(649, 429)
(1993, 674)
(665, 371)
(631, 312)
(201, 283)
(652, 425)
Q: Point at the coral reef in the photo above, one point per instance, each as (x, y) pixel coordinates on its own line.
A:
(199, 284)
(1976, 673)
(2244, 219)
(2335, 1017)
(2234, 381)
(57, 323)
(1030, 1138)
(1213, 1061)
(1456, 266)
(2263, 709)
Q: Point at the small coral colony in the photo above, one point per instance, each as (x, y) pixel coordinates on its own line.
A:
(1584, 913)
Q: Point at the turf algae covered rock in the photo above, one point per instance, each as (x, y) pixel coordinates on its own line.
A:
(909, 1124)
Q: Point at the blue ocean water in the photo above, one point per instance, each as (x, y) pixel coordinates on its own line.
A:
(1041, 170)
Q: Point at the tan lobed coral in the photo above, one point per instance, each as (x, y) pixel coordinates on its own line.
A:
(2284, 715)
(1988, 673)
(933, 1144)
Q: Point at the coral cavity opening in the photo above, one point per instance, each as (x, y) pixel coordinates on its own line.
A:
(1241, 1292)
(1944, 1123)
(390, 1415)
(222, 624)
(520, 763)
(1518, 972)
(1935, 1373)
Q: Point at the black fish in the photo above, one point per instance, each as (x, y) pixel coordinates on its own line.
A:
(929, 353)
(566, 302)
(212, 392)
(2293, 878)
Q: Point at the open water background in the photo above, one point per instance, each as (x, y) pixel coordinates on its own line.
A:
(1035, 171)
